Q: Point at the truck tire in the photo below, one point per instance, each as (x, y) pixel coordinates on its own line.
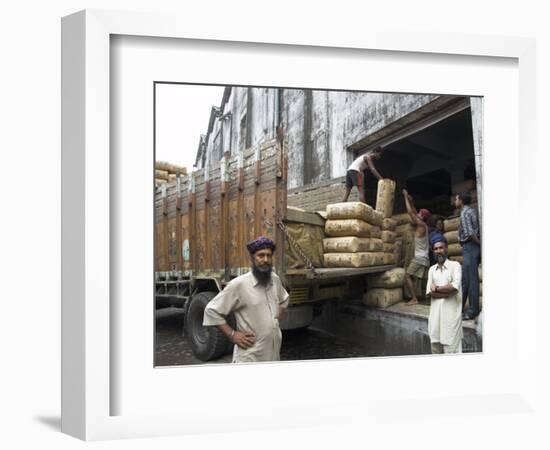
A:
(206, 342)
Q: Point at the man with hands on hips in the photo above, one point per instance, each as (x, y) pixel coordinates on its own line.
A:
(258, 301)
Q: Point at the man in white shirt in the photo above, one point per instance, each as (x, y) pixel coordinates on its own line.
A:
(355, 176)
(258, 301)
(445, 290)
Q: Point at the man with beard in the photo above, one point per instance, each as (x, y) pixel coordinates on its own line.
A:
(258, 301)
(445, 290)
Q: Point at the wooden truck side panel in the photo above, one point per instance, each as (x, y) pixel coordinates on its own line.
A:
(204, 220)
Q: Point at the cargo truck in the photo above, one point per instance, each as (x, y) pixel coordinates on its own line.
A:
(204, 219)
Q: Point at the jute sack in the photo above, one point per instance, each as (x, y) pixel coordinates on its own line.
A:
(310, 239)
(382, 298)
(350, 210)
(408, 247)
(451, 236)
(354, 260)
(388, 237)
(349, 227)
(352, 244)
(385, 197)
(392, 278)
(171, 168)
(388, 247)
(389, 258)
(161, 174)
(460, 259)
(402, 218)
(376, 232)
(389, 224)
(454, 250)
(377, 218)
(451, 224)
(398, 252)
(403, 228)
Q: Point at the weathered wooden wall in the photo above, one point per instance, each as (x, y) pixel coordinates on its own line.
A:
(203, 226)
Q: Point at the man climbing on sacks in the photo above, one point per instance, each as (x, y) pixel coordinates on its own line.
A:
(445, 291)
(416, 271)
(355, 176)
(258, 301)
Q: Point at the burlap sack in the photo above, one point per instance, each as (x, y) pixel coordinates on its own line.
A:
(354, 260)
(388, 237)
(377, 218)
(161, 174)
(350, 210)
(403, 228)
(451, 224)
(382, 298)
(451, 236)
(454, 250)
(402, 218)
(385, 197)
(310, 239)
(398, 252)
(460, 259)
(389, 258)
(351, 227)
(389, 224)
(352, 244)
(171, 168)
(394, 278)
(375, 232)
(389, 248)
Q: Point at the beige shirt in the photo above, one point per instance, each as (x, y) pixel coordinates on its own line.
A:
(256, 309)
(445, 320)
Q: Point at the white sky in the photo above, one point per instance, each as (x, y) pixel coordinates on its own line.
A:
(183, 112)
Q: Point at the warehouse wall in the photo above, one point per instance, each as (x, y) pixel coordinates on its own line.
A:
(320, 126)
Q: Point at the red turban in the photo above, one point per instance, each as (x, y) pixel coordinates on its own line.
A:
(424, 213)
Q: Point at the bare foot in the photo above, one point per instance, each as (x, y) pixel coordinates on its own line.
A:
(412, 301)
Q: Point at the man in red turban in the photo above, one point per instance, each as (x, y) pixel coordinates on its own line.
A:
(418, 267)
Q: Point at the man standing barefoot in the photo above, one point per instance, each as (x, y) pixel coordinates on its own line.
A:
(419, 264)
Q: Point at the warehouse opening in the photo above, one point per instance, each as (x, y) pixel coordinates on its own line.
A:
(432, 164)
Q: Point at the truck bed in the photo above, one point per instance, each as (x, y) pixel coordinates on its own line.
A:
(336, 272)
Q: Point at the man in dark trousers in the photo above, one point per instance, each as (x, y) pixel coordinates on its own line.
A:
(355, 175)
(468, 236)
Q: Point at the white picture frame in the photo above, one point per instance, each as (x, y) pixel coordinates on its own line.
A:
(88, 386)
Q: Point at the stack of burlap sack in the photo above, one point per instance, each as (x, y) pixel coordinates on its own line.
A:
(358, 235)
(165, 172)
(385, 289)
(454, 250)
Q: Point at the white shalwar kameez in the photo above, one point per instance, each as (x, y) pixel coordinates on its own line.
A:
(445, 320)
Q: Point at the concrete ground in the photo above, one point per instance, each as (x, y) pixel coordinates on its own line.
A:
(171, 349)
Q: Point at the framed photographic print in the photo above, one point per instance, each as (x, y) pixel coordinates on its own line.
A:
(291, 118)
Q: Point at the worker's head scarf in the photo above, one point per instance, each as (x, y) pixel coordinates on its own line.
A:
(259, 244)
(424, 213)
(438, 237)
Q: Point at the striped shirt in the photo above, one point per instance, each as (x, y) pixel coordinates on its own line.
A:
(469, 225)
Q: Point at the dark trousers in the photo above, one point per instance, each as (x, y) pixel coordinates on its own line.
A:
(470, 277)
